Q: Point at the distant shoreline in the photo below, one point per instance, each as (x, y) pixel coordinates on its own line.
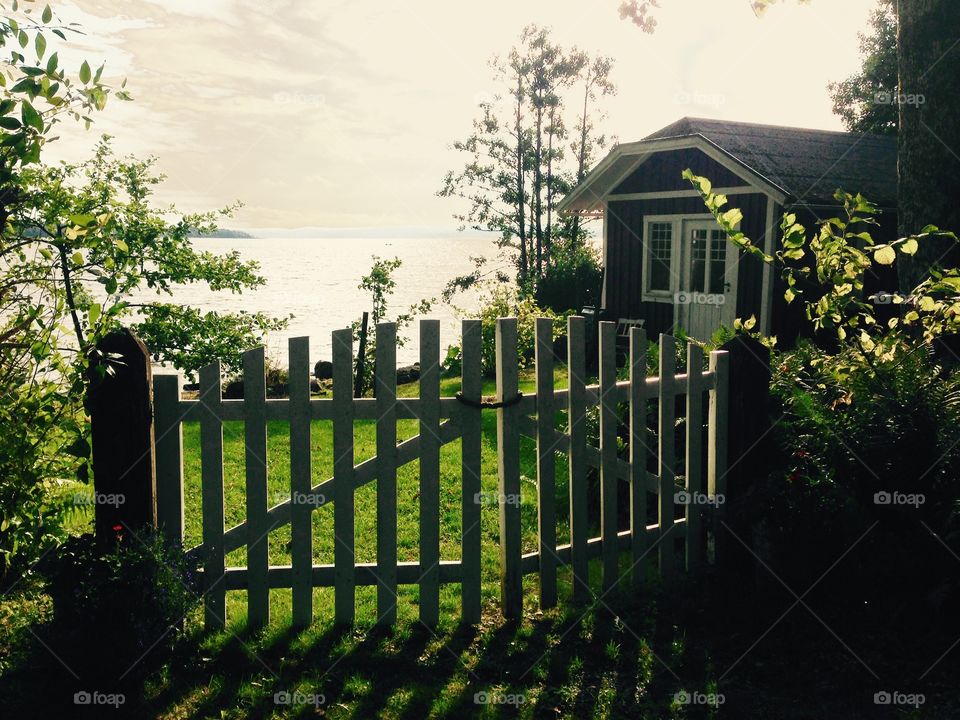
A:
(224, 233)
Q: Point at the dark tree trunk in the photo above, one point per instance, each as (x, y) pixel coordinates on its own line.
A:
(521, 189)
(928, 45)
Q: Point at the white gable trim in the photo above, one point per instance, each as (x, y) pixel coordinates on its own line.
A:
(644, 149)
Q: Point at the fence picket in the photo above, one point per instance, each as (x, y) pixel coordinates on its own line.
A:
(694, 542)
(211, 464)
(576, 413)
(255, 460)
(546, 465)
(508, 442)
(471, 429)
(385, 386)
(429, 472)
(717, 444)
(638, 455)
(343, 494)
(169, 448)
(301, 513)
(608, 453)
(666, 452)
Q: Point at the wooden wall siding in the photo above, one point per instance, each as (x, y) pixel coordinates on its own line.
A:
(664, 171)
(620, 546)
(625, 257)
(750, 268)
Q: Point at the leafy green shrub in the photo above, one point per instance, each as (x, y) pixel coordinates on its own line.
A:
(41, 448)
(571, 279)
(117, 609)
(503, 302)
(381, 285)
(867, 449)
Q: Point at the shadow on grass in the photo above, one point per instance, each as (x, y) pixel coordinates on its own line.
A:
(629, 655)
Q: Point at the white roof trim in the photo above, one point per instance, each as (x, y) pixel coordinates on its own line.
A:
(643, 149)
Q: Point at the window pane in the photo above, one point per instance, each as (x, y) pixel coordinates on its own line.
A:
(698, 259)
(718, 260)
(660, 244)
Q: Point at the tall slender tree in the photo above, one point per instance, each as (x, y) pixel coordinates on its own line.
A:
(520, 165)
(868, 100)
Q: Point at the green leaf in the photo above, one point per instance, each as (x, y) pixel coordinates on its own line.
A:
(732, 217)
(909, 247)
(789, 295)
(52, 63)
(93, 313)
(885, 255)
(83, 220)
(85, 72)
(911, 316)
(31, 117)
(9, 123)
(77, 258)
(122, 245)
(40, 43)
(47, 14)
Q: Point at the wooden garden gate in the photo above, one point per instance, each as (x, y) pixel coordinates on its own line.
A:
(623, 553)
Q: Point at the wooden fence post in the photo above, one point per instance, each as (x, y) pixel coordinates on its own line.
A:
(385, 389)
(302, 504)
(607, 362)
(639, 437)
(695, 544)
(546, 465)
(124, 467)
(667, 452)
(508, 453)
(576, 428)
(255, 463)
(168, 429)
(471, 428)
(344, 532)
(429, 472)
(211, 471)
(747, 442)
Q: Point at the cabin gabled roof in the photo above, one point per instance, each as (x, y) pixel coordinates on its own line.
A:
(796, 165)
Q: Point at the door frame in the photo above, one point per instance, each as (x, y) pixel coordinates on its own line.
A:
(728, 311)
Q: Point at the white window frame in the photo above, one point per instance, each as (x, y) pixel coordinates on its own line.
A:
(676, 261)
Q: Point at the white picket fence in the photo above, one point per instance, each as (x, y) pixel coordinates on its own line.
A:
(622, 553)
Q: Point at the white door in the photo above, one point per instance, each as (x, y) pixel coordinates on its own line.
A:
(708, 279)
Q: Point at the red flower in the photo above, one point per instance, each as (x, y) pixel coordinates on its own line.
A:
(117, 528)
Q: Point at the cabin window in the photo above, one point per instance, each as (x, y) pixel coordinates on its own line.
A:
(660, 249)
(708, 259)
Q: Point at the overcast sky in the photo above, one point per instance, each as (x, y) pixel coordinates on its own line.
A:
(341, 113)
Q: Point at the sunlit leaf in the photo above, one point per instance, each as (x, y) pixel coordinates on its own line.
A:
(885, 255)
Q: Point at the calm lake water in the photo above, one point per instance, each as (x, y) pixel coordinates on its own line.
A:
(316, 281)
